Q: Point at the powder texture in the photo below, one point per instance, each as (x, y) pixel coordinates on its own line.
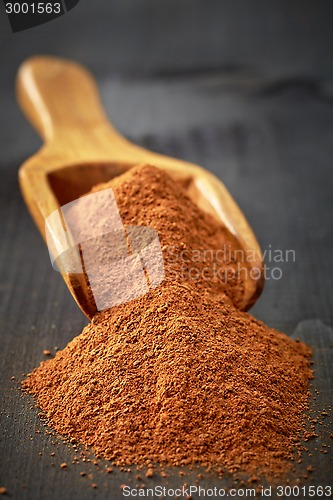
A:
(148, 197)
(179, 375)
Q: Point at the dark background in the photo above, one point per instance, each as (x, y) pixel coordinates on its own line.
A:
(244, 89)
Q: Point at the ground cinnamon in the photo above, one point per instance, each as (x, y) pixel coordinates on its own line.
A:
(179, 375)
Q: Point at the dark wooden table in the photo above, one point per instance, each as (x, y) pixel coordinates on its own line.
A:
(242, 88)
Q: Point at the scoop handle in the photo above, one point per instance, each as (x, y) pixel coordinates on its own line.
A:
(61, 100)
(55, 93)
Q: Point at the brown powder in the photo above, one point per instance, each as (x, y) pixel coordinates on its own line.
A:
(179, 375)
(195, 246)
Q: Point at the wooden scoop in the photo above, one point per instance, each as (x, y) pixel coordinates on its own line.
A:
(81, 148)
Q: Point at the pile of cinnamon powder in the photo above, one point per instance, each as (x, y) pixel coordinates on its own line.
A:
(180, 375)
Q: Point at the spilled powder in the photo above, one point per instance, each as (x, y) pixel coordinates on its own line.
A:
(179, 375)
